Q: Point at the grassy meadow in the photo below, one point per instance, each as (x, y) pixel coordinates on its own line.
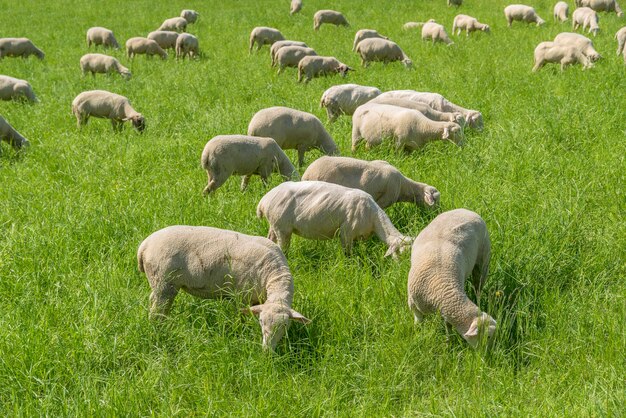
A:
(548, 175)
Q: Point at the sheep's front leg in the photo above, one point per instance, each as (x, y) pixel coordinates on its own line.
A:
(301, 151)
(283, 240)
(417, 314)
(161, 299)
(244, 182)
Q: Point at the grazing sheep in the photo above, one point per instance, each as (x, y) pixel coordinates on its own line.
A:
(262, 35)
(584, 44)
(587, 18)
(104, 104)
(191, 16)
(165, 38)
(435, 32)
(213, 263)
(139, 45)
(378, 49)
(315, 66)
(296, 6)
(292, 129)
(365, 34)
(104, 64)
(290, 56)
(408, 128)
(280, 44)
(187, 45)
(16, 89)
(561, 11)
(101, 36)
(522, 13)
(225, 155)
(423, 108)
(9, 135)
(620, 35)
(320, 210)
(415, 25)
(345, 98)
(456, 3)
(381, 180)
(453, 246)
(176, 24)
(557, 53)
(329, 16)
(468, 24)
(601, 6)
(19, 47)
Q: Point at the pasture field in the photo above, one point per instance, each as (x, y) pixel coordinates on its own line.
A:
(548, 175)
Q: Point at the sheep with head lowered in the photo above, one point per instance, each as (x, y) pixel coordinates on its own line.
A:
(176, 24)
(139, 45)
(165, 38)
(601, 6)
(103, 64)
(212, 263)
(378, 49)
(561, 11)
(280, 44)
(296, 6)
(344, 99)
(101, 36)
(104, 104)
(19, 47)
(423, 108)
(9, 135)
(435, 32)
(330, 17)
(559, 54)
(587, 18)
(584, 44)
(262, 35)
(191, 16)
(16, 89)
(468, 24)
(320, 210)
(187, 46)
(290, 56)
(522, 13)
(620, 36)
(310, 67)
(365, 34)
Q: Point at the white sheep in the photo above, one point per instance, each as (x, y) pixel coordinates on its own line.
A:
(103, 64)
(290, 56)
(280, 44)
(522, 13)
(331, 17)
(213, 263)
(16, 89)
(423, 108)
(176, 24)
(452, 247)
(587, 18)
(620, 36)
(584, 44)
(365, 34)
(296, 6)
(104, 104)
(561, 11)
(436, 33)
(415, 25)
(378, 49)
(381, 180)
(601, 6)
(292, 129)
(191, 16)
(225, 155)
(101, 36)
(139, 45)
(165, 38)
(468, 24)
(9, 135)
(320, 210)
(316, 66)
(558, 53)
(19, 47)
(187, 45)
(408, 128)
(262, 35)
(343, 99)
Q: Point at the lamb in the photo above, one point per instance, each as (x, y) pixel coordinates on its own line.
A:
(165, 38)
(381, 180)
(558, 53)
(365, 34)
(329, 16)
(587, 18)
(601, 6)
(101, 36)
(561, 11)
(104, 104)
(620, 35)
(16, 89)
(9, 135)
(19, 47)
(292, 129)
(296, 6)
(225, 155)
(290, 56)
(408, 128)
(191, 16)
(584, 44)
(139, 45)
(187, 45)
(468, 24)
(176, 24)
(435, 32)
(104, 64)
(213, 263)
(453, 246)
(423, 108)
(522, 13)
(315, 66)
(262, 35)
(280, 44)
(378, 49)
(343, 99)
(320, 210)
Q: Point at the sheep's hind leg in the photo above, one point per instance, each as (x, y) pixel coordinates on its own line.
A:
(417, 314)
(161, 300)
(244, 182)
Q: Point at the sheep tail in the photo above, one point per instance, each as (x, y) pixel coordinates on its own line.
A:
(140, 259)
(259, 211)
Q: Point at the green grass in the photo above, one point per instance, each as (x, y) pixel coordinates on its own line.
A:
(547, 175)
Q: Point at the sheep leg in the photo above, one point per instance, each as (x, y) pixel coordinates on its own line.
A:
(271, 235)
(283, 240)
(214, 182)
(81, 120)
(346, 239)
(417, 314)
(244, 182)
(161, 300)
(301, 151)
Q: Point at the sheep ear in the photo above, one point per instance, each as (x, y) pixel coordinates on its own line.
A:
(297, 316)
(473, 330)
(252, 310)
(446, 133)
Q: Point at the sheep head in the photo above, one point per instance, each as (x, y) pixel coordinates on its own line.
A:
(483, 325)
(274, 320)
(431, 196)
(398, 246)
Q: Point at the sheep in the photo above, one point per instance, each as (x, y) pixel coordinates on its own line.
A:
(561, 11)
(365, 34)
(378, 49)
(315, 66)
(176, 24)
(456, 3)
(104, 104)
(587, 18)
(212, 263)
(19, 47)
(408, 128)
(165, 38)
(9, 135)
(292, 129)
(415, 25)
(16, 89)
(280, 44)
(191, 16)
(343, 99)
(558, 53)
(522, 13)
(435, 32)
(329, 16)
(584, 44)
(104, 64)
(320, 210)
(187, 45)
(453, 246)
(296, 6)
(468, 24)
(423, 108)
(473, 118)
(262, 35)
(620, 35)
(101, 36)
(290, 56)
(225, 155)
(139, 45)
(381, 180)
(601, 6)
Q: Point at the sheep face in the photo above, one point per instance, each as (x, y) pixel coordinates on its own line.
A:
(407, 63)
(343, 69)
(482, 326)
(540, 21)
(453, 133)
(594, 57)
(274, 320)
(486, 29)
(475, 120)
(139, 123)
(431, 196)
(398, 247)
